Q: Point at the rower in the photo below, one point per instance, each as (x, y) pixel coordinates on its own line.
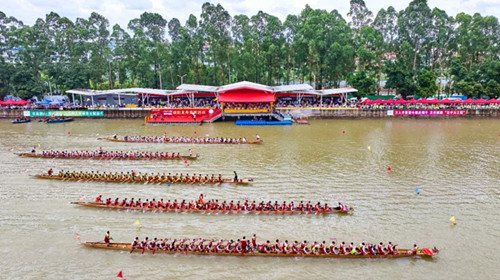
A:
(235, 177)
(243, 244)
(107, 238)
(257, 136)
(136, 244)
(33, 150)
(414, 251)
(50, 172)
(98, 199)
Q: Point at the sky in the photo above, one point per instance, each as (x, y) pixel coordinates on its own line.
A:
(121, 11)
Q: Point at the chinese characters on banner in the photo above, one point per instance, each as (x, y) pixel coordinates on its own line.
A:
(426, 112)
(91, 114)
(182, 112)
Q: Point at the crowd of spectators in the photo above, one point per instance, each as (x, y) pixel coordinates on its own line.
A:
(247, 106)
(287, 102)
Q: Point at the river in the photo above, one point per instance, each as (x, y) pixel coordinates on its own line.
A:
(455, 163)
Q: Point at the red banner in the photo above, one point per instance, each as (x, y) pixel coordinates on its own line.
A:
(426, 112)
(183, 112)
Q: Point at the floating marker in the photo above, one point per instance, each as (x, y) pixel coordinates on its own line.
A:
(343, 131)
(389, 168)
(452, 219)
(69, 132)
(369, 148)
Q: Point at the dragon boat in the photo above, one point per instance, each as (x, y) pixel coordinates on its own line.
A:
(180, 140)
(205, 209)
(137, 180)
(105, 156)
(400, 253)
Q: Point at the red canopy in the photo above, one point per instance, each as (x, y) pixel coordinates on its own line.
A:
(11, 102)
(479, 101)
(401, 101)
(246, 97)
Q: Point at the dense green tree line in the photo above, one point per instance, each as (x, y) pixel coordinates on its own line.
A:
(410, 49)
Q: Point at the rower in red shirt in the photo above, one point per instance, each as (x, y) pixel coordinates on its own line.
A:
(107, 238)
(254, 242)
(243, 244)
(98, 199)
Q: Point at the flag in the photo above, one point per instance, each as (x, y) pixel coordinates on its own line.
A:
(120, 275)
(453, 219)
(137, 222)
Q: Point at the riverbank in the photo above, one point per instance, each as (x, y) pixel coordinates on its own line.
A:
(305, 113)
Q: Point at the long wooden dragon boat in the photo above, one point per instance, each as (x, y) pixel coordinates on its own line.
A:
(188, 140)
(205, 211)
(180, 157)
(401, 253)
(137, 180)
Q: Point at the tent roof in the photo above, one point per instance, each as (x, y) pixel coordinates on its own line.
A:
(125, 91)
(334, 91)
(300, 87)
(190, 87)
(245, 84)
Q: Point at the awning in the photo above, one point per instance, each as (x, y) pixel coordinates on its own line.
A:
(246, 97)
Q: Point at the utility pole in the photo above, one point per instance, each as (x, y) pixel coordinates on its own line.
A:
(182, 78)
(159, 75)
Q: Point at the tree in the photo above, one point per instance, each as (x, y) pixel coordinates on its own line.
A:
(363, 83)
(426, 83)
(399, 77)
(359, 14)
(413, 27)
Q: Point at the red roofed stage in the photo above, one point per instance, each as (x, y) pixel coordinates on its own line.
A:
(246, 96)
